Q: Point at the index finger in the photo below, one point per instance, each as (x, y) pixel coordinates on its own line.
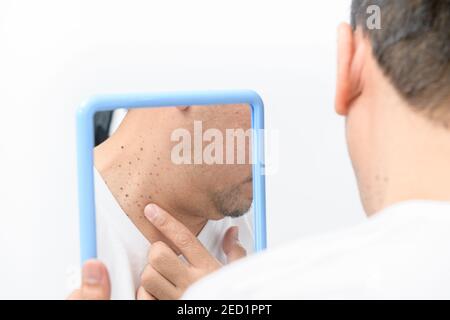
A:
(188, 244)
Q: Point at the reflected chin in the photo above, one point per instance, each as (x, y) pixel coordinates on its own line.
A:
(234, 203)
(237, 212)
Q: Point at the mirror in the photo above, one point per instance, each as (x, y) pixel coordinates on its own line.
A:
(194, 161)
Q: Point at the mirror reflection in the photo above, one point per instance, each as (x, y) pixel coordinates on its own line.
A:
(194, 163)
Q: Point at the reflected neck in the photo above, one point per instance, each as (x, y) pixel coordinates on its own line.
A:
(134, 175)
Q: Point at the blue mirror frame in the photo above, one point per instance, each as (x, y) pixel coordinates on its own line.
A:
(85, 146)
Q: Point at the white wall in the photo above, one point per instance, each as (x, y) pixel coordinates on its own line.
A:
(54, 54)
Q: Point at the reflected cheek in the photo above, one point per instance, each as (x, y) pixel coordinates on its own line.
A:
(247, 190)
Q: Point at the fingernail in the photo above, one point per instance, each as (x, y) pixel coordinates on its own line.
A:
(151, 212)
(92, 274)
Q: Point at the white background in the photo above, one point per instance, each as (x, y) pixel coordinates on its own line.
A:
(55, 54)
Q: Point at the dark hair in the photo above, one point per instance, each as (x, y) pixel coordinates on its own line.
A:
(412, 47)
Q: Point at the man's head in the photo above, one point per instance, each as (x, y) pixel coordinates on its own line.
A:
(393, 86)
(183, 154)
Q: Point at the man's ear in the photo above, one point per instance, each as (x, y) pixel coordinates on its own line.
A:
(348, 77)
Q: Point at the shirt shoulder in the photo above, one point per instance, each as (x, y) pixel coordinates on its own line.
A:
(400, 253)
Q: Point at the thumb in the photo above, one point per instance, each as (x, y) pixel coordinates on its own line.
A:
(231, 245)
(95, 281)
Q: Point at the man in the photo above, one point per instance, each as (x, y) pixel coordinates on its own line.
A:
(136, 166)
(393, 87)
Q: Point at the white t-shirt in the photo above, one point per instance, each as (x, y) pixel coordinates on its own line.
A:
(124, 249)
(402, 252)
